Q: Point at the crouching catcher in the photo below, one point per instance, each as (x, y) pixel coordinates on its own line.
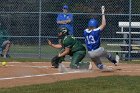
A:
(71, 47)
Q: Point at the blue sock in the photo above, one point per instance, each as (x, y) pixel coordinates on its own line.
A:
(100, 66)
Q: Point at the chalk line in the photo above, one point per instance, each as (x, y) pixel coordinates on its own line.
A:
(39, 75)
(30, 66)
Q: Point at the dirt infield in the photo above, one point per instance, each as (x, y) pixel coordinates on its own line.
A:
(27, 73)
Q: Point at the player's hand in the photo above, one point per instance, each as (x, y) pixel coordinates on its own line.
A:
(49, 42)
(64, 22)
(68, 21)
(103, 9)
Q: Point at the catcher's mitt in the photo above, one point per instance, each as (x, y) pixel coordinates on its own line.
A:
(56, 60)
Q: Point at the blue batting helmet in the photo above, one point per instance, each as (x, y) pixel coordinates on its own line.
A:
(93, 23)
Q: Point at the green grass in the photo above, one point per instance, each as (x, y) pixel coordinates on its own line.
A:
(112, 84)
(24, 60)
(32, 49)
(48, 60)
(47, 49)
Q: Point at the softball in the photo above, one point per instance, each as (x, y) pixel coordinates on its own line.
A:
(4, 63)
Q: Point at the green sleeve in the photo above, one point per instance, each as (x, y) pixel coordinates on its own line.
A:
(68, 42)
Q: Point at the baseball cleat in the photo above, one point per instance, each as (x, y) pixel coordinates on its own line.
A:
(117, 60)
(90, 66)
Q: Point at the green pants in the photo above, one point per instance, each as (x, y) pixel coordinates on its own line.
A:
(76, 60)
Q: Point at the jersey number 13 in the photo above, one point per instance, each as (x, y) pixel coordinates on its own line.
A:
(90, 39)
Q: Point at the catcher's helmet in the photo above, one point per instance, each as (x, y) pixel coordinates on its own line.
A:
(64, 30)
(93, 23)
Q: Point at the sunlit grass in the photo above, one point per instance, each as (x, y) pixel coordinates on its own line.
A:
(112, 84)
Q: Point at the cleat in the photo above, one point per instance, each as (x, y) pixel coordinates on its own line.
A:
(117, 60)
(90, 66)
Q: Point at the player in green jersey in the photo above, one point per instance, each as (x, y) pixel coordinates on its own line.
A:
(71, 47)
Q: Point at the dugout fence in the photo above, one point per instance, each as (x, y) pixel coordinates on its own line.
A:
(31, 22)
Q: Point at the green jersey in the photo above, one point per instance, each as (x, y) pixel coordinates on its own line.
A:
(72, 43)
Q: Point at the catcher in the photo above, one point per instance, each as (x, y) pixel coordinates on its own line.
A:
(71, 47)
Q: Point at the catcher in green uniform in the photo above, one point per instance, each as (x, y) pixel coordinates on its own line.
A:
(71, 47)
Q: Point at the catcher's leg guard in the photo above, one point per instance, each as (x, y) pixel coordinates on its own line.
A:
(76, 58)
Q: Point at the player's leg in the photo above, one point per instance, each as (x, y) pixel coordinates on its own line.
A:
(100, 65)
(5, 48)
(100, 52)
(98, 62)
(96, 53)
(111, 58)
(76, 61)
(1, 52)
(95, 57)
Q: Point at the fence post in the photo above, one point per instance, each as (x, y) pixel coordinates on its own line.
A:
(39, 43)
(130, 3)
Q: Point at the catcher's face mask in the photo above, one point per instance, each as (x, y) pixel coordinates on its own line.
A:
(62, 32)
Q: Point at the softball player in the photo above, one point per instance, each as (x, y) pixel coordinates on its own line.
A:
(71, 47)
(92, 41)
(4, 44)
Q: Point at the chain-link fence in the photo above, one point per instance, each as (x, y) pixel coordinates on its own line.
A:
(31, 22)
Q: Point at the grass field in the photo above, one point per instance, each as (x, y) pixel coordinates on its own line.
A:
(111, 84)
(47, 49)
(32, 49)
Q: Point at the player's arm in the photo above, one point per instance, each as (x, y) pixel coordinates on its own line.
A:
(103, 24)
(64, 21)
(67, 43)
(61, 22)
(70, 19)
(65, 52)
(54, 45)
